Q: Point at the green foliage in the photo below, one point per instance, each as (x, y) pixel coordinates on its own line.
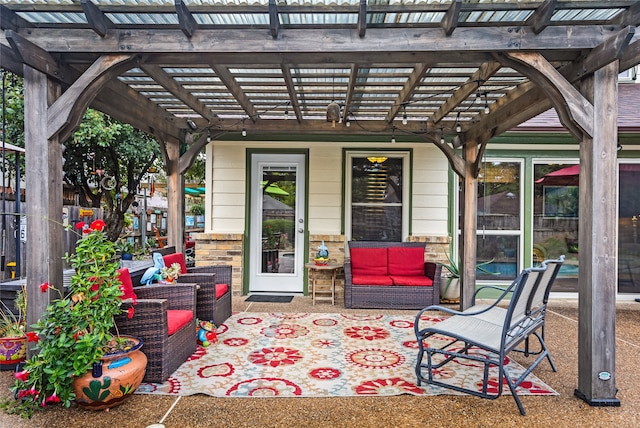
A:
(10, 324)
(197, 209)
(75, 330)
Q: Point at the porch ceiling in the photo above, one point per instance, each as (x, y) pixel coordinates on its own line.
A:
(422, 69)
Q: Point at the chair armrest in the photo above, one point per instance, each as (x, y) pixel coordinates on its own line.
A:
(182, 296)
(149, 318)
(206, 281)
(347, 273)
(434, 271)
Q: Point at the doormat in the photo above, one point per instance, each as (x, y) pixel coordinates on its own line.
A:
(319, 355)
(269, 298)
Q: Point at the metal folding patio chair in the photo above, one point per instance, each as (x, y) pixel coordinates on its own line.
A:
(492, 330)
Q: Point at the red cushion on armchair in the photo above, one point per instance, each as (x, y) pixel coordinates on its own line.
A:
(406, 261)
(170, 259)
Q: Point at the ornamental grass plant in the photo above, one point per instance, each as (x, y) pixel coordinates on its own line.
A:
(75, 330)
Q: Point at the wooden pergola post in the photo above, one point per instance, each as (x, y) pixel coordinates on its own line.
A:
(598, 276)
(175, 196)
(469, 220)
(43, 157)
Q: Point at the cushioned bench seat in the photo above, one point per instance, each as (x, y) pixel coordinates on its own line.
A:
(390, 275)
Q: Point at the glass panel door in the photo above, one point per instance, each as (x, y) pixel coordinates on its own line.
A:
(277, 223)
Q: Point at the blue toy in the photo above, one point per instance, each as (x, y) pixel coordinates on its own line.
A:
(207, 333)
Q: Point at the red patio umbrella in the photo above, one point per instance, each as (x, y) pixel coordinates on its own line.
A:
(568, 176)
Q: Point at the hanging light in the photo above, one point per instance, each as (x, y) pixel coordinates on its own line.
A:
(393, 135)
(244, 130)
(347, 122)
(486, 104)
(458, 126)
(442, 140)
(192, 124)
(208, 135)
(333, 113)
(404, 114)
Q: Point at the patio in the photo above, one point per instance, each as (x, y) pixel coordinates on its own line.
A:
(405, 411)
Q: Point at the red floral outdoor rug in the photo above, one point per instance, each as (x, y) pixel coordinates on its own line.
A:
(315, 355)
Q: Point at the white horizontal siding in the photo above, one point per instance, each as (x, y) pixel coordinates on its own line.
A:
(430, 191)
(227, 187)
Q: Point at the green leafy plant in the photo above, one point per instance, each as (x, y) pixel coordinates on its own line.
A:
(75, 330)
(171, 273)
(454, 271)
(12, 325)
(123, 246)
(197, 209)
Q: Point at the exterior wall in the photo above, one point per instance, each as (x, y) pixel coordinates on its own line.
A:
(223, 238)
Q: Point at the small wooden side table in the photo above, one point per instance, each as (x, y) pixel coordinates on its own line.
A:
(333, 269)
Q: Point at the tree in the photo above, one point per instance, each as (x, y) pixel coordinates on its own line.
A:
(105, 160)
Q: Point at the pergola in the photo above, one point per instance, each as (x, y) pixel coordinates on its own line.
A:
(453, 74)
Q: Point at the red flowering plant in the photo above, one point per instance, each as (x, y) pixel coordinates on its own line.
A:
(75, 330)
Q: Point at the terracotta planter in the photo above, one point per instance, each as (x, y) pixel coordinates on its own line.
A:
(112, 380)
(13, 350)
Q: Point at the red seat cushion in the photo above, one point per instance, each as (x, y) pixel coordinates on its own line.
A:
(371, 280)
(368, 261)
(221, 290)
(178, 318)
(170, 259)
(127, 285)
(406, 261)
(412, 280)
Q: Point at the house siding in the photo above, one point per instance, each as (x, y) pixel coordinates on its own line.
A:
(223, 239)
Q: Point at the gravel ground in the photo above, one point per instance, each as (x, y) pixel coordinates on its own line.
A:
(564, 410)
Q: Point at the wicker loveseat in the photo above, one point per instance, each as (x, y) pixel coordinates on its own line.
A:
(390, 275)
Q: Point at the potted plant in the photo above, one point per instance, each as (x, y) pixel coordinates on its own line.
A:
(125, 248)
(13, 341)
(75, 331)
(450, 285)
(170, 273)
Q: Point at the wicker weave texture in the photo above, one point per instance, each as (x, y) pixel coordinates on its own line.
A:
(208, 307)
(164, 353)
(391, 297)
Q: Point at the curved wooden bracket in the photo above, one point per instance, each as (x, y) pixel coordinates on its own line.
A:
(574, 110)
(65, 114)
(455, 160)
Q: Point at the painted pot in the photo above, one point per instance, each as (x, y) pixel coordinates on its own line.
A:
(13, 350)
(113, 379)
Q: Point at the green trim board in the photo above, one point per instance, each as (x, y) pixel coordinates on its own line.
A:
(249, 151)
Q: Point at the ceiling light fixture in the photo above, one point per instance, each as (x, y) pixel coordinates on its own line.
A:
(377, 159)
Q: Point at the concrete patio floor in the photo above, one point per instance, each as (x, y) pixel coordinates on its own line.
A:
(564, 410)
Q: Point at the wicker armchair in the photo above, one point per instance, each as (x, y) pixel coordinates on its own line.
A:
(158, 310)
(214, 293)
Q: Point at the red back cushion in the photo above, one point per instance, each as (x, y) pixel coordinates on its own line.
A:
(178, 318)
(127, 285)
(406, 261)
(170, 259)
(221, 290)
(368, 261)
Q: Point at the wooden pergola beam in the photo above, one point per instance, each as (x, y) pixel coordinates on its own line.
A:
(96, 18)
(381, 41)
(450, 20)
(540, 19)
(227, 80)
(188, 23)
(419, 70)
(160, 77)
(291, 90)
